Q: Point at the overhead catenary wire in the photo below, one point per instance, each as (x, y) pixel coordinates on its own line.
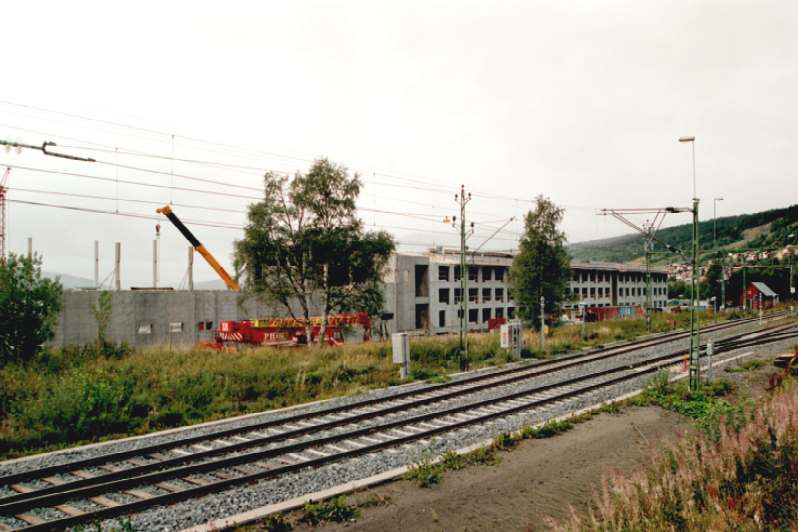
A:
(207, 207)
(251, 170)
(260, 170)
(193, 222)
(427, 216)
(418, 181)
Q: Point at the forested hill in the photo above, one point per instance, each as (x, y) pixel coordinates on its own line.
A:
(758, 230)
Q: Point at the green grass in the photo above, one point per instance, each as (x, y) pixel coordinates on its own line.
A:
(334, 510)
(747, 479)
(426, 472)
(747, 365)
(705, 405)
(77, 395)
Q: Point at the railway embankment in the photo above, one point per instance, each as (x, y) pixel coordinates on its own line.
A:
(220, 473)
(679, 464)
(83, 394)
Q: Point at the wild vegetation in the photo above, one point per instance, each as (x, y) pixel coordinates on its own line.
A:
(304, 246)
(740, 475)
(62, 397)
(29, 306)
(541, 268)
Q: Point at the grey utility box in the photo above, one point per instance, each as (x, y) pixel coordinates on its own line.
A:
(510, 338)
(400, 343)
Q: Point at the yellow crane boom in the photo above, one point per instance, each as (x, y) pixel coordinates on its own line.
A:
(231, 283)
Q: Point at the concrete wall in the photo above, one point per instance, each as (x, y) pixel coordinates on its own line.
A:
(171, 317)
(400, 285)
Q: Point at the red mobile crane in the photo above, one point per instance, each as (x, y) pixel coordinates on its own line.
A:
(275, 331)
(287, 332)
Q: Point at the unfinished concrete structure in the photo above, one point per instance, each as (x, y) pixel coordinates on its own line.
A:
(154, 317)
(423, 290)
(612, 284)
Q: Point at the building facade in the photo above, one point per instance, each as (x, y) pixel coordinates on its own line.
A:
(610, 284)
(423, 291)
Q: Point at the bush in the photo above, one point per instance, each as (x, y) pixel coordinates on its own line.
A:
(746, 479)
(82, 406)
(425, 472)
(703, 405)
(335, 510)
(29, 307)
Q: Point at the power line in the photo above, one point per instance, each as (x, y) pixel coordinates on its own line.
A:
(250, 170)
(156, 218)
(209, 208)
(419, 181)
(247, 169)
(423, 216)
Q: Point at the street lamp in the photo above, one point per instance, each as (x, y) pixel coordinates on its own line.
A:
(691, 140)
(720, 256)
(792, 288)
(695, 363)
(714, 221)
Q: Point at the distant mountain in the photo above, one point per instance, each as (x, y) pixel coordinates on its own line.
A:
(735, 233)
(70, 281)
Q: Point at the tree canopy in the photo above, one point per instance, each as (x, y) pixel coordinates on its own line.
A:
(29, 307)
(542, 265)
(304, 246)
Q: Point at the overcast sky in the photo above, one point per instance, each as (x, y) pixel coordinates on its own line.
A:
(580, 101)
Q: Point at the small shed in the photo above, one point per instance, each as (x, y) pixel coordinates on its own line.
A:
(756, 294)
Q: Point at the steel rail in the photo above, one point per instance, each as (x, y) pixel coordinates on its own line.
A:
(663, 360)
(130, 507)
(526, 372)
(613, 350)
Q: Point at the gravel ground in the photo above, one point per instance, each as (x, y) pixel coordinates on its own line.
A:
(265, 492)
(78, 453)
(233, 501)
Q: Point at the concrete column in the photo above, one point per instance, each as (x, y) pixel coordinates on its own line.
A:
(96, 264)
(190, 268)
(117, 265)
(30, 247)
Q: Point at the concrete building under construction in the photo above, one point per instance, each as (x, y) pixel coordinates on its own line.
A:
(612, 284)
(423, 291)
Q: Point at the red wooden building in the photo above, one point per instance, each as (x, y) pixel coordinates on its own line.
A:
(757, 294)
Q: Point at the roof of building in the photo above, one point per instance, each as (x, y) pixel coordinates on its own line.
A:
(613, 266)
(764, 289)
(440, 250)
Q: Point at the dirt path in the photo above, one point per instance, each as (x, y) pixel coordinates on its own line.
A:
(538, 479)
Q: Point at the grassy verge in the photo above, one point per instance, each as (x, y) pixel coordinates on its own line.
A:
(742, 476)
(83, 394)
(746, 365)
(427, 472)
(706, 406)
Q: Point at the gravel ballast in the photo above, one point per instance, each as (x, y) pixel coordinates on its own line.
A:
(265, 492)
(233, 501)
(79, 453)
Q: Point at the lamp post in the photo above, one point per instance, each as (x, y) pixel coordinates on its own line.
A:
(792, 288)
(695, 363)
(714, 221)
(718, 255)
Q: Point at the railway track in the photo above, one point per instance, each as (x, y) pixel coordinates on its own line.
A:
(99, 488)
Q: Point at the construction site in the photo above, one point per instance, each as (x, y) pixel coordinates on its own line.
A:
(329, 266)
